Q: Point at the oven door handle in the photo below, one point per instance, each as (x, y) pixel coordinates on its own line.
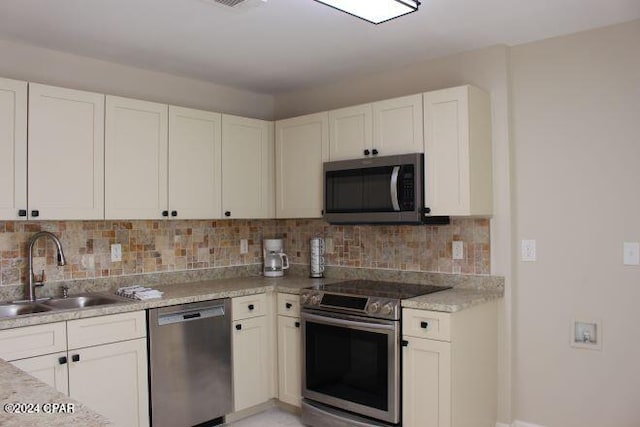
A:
(393, 186)
(330, 320)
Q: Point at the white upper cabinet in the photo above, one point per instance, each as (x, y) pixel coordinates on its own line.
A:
(397, 125)
(195, 163)
(302, 144)
(350, 131)
(458, 166)
(66, 153)
(135, 159)
(392, 126)
(247, 168)
(13, 149)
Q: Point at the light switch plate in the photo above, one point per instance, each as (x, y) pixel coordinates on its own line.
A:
(116, 252)
(631, 253)
(457, 249)
(528, 250)
(244, 246)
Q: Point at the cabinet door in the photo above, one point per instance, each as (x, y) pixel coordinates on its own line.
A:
(426, 383)
(51, 369)
(13, 149)
(289, 360)
(397, 125)
(135, 159)
(195, 165)
(457, 124)
(251, 362)
(350, 132)
(112, 380)
(302, 144)
(247, 168)
(66, 153)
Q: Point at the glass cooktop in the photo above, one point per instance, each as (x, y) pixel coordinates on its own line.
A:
(373, 288)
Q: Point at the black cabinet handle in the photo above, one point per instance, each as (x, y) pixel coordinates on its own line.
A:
(62, 360)
(75, 358)
(174, 213)
(427, 210)
(288, 305)
(374, 152)
(227, 213)
(297, 324)
(165, 213)
(366, 152)
(238, 326)
(404, 343)
(424, 325)
(22, 212)
(251, 307)
(35, 213)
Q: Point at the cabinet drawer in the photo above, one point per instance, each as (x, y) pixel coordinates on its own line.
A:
(289, 305)
(106, 329)
(426, 324)
(33, 341)
(248, 306)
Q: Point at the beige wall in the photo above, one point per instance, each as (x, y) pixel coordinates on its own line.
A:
(485, 68)
(576, 128)
(24, 62)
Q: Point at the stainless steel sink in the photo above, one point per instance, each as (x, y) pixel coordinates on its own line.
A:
(18, 309)
(82, 301)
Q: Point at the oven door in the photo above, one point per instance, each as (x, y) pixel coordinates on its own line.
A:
(352, 363)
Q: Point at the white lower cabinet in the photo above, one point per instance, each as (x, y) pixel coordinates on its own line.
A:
(104, 366)
(289, 349)
(252, 342)
(449, 369)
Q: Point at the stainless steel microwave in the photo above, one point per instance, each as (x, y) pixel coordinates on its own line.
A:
(378, 190)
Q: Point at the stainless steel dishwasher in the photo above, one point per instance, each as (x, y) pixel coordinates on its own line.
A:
(190, 363)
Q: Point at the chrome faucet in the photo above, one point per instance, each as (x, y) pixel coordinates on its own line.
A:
(33, 283)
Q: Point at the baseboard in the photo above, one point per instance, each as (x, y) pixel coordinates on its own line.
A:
(518, 424)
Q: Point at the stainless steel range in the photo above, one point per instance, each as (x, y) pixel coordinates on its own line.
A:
(351, 347)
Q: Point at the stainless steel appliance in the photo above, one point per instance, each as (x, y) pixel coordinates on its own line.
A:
(351, 352)
(190, 363)
(375, 190)
(316, 255)
(274, 260)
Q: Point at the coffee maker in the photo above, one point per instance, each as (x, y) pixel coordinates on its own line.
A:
(275, 261)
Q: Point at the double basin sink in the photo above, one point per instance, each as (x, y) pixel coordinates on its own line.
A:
(73, 302)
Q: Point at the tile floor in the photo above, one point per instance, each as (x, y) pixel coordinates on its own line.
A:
(273, 417)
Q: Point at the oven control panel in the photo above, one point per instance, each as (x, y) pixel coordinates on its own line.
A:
(382, 308)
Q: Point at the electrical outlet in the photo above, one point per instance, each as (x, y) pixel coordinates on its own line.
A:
(328, 245)
(528, 250)
(457, 249)
(631, 253)
(116, 252)
(244, 246)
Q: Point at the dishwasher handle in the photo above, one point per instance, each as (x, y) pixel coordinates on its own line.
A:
(189, 315)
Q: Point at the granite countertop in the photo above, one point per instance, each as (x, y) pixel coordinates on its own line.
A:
(18, 387)
(451, 300)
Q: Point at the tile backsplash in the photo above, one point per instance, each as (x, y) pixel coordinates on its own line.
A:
(159, 246)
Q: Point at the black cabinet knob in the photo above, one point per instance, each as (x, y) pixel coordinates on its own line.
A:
(22, 212)
(251, 307)
(238, 326)
(374, 152)
(288, 305)
(227, 213)
(165, 213)
(35, 213)
(427, 210)
(366, 152)
(75, 358)
(174, 213)
(62, 360)
(297, 324)
(404, 343)
(424, 325)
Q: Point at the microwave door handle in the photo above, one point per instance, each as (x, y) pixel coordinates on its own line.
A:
(394, 188)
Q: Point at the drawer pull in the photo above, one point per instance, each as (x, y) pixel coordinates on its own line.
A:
(62, 360)
(238, 326)
(297, 324)
(251, 307)
(404, 343)
(288, 305)
(75, 358)
(424, 325)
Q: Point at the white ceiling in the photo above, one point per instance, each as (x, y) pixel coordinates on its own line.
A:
(283, 45)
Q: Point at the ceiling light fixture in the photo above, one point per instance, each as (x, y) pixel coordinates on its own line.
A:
(374, 11)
